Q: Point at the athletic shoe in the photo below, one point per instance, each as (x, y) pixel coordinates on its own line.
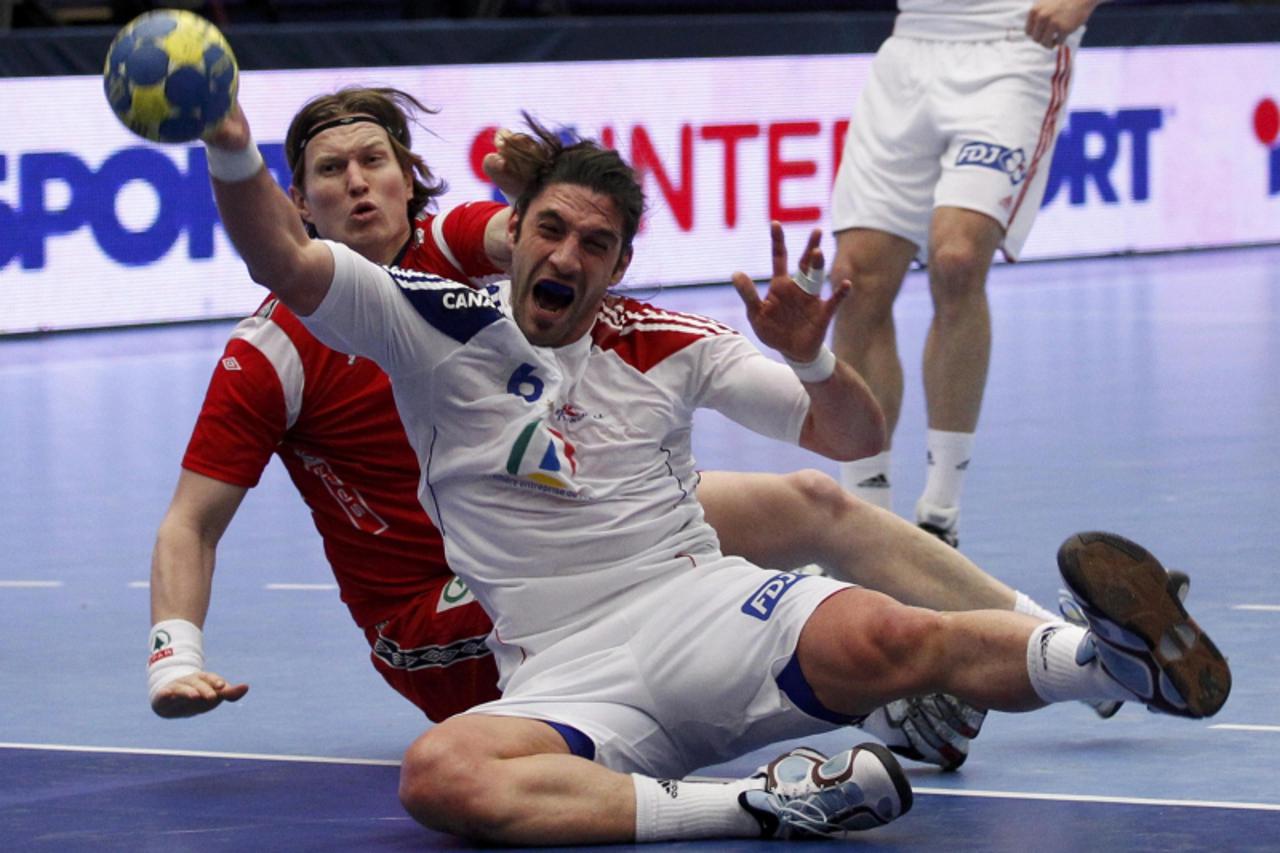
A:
(1138, 629)
(939, 522)
(1179, 585)
(934, 729)
(809, 796)
(948, 536)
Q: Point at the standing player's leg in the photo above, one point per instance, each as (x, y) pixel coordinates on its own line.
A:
(876, 263)
(957, 353)
(881, 202)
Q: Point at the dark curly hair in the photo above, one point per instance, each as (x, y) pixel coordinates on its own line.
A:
(544, 158)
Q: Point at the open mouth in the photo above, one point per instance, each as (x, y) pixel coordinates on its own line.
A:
(363, 208)
(552, 295)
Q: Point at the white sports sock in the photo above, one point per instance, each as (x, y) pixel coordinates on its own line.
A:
(869, 479)
(1055, 675)
(949, 454)
(673, 809)
(1024, 603)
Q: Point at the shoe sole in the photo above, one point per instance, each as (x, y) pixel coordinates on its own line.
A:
(1125, 583)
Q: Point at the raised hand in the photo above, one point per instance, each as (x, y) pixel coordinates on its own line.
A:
(791, 318)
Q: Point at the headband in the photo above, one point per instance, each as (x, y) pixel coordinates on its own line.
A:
(339, 122)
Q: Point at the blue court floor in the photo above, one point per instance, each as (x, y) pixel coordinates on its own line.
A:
(1139, 395)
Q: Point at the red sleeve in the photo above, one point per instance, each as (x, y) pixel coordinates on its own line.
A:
(242, 419)
(452, 243)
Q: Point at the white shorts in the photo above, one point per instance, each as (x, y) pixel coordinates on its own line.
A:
(968, 124)
(697, 672)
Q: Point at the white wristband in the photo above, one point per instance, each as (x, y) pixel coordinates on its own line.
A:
(231, 166)
(818, 370)
(177, 650)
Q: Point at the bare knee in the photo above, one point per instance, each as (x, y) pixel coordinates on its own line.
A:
(871, 300)
(443, 785)
(957, 272)
(862, 649)
(906, 647)
(821, 498)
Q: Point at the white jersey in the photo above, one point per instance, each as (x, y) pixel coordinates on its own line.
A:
(965, 20)
(561, 479)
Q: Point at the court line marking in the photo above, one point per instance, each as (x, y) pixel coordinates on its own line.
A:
(383, 762)
(1265, 608)
(1098, 798)
(1242, 727)
(139, 584)
(289, 587)
(195, 753)
(30, 584)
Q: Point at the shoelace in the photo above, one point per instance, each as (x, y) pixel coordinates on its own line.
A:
(806, 815)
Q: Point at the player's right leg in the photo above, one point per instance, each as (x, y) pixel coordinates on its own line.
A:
(859, 649)
(866, 338)
(880, 209)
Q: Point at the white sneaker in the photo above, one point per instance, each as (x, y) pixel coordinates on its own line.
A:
(809, 796)
(939, 522)
(934, 729)
(1139, 630)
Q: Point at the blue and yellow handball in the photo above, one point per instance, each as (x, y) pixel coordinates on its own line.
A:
(170, 76)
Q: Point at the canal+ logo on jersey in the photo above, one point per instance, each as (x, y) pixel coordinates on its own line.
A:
(1266, 126)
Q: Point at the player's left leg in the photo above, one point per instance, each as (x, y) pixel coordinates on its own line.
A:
(956, 356)
(784, 521)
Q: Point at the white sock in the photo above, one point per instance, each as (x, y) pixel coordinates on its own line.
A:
(673, 809)
(869, 479)
(949, 454)
(1026, 604)
(1055, 675)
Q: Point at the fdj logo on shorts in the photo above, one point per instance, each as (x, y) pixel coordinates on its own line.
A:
(763, 600)
(1011, 161)
(58, 193)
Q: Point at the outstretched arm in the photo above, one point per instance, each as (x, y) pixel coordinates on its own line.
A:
(844, 420)
(181, 585)
(261, 221)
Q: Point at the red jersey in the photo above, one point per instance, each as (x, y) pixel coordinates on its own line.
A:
(332, 421)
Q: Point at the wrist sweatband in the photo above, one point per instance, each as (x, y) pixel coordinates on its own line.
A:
(230, 166)
(818, 370)
(177, 650)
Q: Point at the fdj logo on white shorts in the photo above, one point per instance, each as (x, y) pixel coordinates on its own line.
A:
(1011, 161)
(763, 600)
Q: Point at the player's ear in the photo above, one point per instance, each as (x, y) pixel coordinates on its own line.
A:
(620, 268)
(300, 203)
(513, 226)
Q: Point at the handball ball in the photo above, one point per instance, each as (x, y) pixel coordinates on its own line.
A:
(170, 76)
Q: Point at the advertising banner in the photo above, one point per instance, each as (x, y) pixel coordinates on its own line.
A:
(1162, 148)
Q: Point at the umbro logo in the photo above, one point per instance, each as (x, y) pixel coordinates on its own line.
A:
(230, 363)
